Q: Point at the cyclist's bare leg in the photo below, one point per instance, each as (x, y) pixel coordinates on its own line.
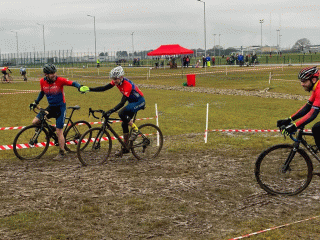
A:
(60, 138)
(36, 121)
(7, 77)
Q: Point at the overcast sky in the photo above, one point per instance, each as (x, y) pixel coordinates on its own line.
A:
(67, 26)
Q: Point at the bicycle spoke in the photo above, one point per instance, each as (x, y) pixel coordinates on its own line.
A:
(94, 148)
(30, 143)
(149, 142)
(276, 178)
(73, 134)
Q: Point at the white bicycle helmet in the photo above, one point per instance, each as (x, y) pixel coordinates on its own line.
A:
(117, 72)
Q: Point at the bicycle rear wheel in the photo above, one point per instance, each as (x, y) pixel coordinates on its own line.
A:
(94, 147)
(73, 134)
(274, 179)
(148, 143)
(31, 143)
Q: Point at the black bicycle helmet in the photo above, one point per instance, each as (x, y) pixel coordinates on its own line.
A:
(49, 68)
(308, 73)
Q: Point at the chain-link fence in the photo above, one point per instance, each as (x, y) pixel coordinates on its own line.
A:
(68, 58)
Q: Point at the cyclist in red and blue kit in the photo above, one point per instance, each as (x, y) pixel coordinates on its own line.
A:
(131, 93)
(309, 78)
(52, 87)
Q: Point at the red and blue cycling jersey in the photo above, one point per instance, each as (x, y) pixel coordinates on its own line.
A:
(128, 89)
(54, 91)
(310, 110)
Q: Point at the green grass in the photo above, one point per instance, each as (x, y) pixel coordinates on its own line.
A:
(179, 112)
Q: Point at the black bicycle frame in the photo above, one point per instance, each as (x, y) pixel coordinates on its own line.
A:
(296, 146)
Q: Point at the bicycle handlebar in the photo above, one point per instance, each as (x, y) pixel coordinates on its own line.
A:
(42, 110)
(104, 115)
(92, 112)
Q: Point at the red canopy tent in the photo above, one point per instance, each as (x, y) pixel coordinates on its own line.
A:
(171, 49)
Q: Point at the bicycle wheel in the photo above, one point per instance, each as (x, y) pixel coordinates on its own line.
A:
(73, 134)
(31, 143)
(94, 147)
(273, 179)
(148, 143)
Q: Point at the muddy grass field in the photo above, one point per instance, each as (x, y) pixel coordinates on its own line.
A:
(209, 194)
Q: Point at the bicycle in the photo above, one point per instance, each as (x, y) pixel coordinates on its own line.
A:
(33, 141)
(7, 78)
(98, 141)
(286, 169)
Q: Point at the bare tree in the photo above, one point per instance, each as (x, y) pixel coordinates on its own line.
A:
(301, 44)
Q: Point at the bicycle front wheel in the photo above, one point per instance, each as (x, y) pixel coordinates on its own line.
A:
(31, 143)
(94, 147)
(148, 143)
(272, 176)
(73, 134)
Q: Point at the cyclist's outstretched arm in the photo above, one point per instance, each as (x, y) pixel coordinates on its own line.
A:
(102, 88)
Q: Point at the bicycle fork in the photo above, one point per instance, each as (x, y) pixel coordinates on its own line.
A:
(96, 144)
(286, 165)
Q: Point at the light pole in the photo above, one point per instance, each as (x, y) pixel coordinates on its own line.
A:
(279, 40)
(219, 44)
(132, 46)
(214, 43)
(205, 34)
(17, 44)
(261, 21)
(44, 44)
(95, 37)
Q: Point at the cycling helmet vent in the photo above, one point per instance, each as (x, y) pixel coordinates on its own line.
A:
(117, 72)
(49, 68)
(308, 73)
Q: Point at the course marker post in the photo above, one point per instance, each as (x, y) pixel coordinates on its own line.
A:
(207, 120)
(270, 76)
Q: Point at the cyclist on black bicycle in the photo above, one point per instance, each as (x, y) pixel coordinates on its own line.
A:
(309, 78)
(132, 94)
(52, 87)
(23, 73)
(5, 74)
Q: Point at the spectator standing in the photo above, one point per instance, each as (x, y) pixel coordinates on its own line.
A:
(208, 60)
(213, 59)
(187, 61)
(204, 61)
(241, 60)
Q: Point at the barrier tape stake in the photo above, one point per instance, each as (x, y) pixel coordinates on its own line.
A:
(207, 121)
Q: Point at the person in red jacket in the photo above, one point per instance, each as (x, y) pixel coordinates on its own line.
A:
(131, 94)
(52, 87)
(6, 74)
(309, 78)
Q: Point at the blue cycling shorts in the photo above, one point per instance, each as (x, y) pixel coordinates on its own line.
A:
(57, 112)
(136, 106)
